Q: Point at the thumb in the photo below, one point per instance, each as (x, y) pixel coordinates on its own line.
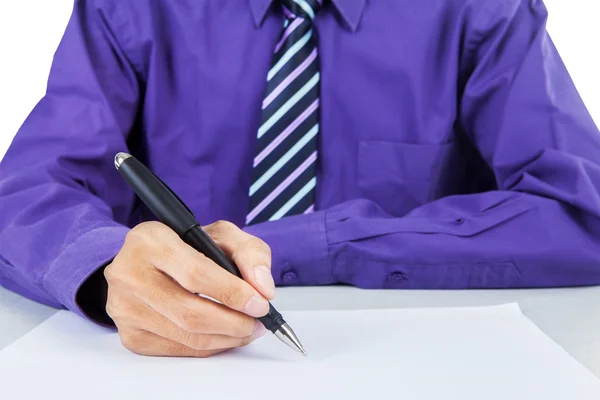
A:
(251, 255)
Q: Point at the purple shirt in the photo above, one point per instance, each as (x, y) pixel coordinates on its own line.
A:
(455, 151)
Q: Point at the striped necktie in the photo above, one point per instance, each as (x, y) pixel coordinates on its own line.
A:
(284, 169)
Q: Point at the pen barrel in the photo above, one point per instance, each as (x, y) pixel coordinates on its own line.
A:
(157, 196)
(200, 241)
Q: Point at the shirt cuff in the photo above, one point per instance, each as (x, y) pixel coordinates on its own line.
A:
(80, 260)
(300, 254)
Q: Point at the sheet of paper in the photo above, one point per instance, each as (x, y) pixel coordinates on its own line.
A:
(444, 353)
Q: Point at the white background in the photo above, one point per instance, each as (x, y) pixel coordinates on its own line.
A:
(31, 29)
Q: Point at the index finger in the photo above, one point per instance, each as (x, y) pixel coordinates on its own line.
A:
(251, 255)
(198, 274)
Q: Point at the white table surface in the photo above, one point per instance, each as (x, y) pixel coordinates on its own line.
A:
(571, 317)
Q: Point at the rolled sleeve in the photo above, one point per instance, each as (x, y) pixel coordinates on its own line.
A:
(77, 263)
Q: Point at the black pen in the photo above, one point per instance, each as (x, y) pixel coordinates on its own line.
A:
(171, 211)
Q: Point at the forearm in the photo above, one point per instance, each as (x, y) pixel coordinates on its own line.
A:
(64, 209)
(51, 245)
(486, 240)
(472, 241)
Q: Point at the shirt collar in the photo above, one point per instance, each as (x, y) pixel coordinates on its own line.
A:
(351, 11)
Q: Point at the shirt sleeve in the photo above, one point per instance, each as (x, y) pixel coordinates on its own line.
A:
(64, 207)
(541, 228)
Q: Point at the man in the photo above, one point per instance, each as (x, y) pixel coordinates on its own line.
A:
(382, 144)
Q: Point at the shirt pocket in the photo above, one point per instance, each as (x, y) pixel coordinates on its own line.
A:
(401, 176)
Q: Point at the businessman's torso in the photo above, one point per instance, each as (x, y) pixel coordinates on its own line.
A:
(390, 100)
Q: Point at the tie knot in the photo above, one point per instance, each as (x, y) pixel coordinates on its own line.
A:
(301, 8)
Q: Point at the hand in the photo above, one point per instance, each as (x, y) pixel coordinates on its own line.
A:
(153, 284)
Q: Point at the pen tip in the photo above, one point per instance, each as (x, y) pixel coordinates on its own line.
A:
(287, 335)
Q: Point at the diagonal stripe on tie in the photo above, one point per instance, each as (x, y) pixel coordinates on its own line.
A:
(282, 186)
(289, 29)
(281, 162)
(306, 8)
(288, 117)
(289, 104)
(287, 194)
(290, 78)
(310, 209)
(306, 203)
(297, 197)
(286, 132)
(289, 54)
(280, 175)
(296, 40)
(276, 149)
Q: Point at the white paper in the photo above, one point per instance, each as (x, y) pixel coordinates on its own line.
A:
(444, 353)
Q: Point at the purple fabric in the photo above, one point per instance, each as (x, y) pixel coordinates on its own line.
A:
(455, 151)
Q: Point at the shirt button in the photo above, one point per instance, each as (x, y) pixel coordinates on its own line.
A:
(397, 276)
(289, 277)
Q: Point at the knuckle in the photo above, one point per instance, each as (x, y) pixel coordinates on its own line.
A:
(166, 251)
(135, 254)
(124, 271)
(134, 248)
(252, 251)
(245, 341)
(111, 310)
(267, 250)
(200, 342)
(136, 236)
(223, 226)
(145, 234)
(131, 341)
(191, 321)
(185, 319)
(220, 230)
(245, 328)
(116, 272)
(261, 244)
(119, 308)
(150, 228)
(258, 246)
(191, 270)
(190, 339)
(232, 295)
(189, 275)
(112, 305)
(110, 273)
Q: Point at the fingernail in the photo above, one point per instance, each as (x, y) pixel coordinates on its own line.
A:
(257, 307)
(263, 277)
(259, 330)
